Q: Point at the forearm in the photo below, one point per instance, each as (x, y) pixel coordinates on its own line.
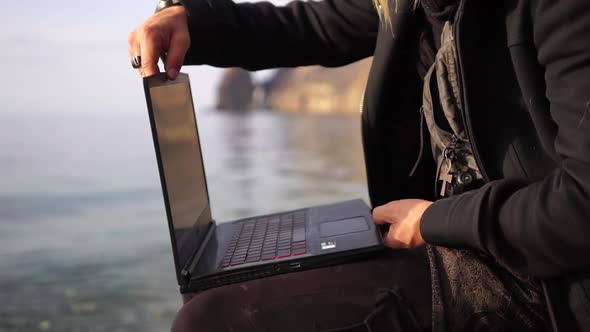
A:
(260, 35)
(540, 228)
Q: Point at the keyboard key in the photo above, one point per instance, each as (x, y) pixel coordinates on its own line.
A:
(298, 251)
(266, 238)
(299, 235)
(238, 259)
(299, 244)
(252, 259)
(283, 253)
(266, 257)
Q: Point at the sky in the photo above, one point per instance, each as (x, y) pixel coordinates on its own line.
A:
(72, 56)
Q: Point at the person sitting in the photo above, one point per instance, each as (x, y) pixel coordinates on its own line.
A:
(476, 135)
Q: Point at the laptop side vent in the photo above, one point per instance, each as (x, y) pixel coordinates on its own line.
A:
(230, 279)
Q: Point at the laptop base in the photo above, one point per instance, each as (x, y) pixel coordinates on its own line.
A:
(264, 271)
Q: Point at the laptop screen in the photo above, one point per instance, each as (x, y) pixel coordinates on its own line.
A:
(181, 166)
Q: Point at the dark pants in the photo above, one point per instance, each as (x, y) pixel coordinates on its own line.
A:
(314, 300)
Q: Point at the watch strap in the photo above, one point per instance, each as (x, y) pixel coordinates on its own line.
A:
(163, 4)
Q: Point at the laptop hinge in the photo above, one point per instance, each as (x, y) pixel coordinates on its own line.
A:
(192, 262)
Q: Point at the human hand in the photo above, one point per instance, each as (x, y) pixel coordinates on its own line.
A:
(165, 31)
(403, 217)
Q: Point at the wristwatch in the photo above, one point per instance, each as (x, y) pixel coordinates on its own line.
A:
(163, 4)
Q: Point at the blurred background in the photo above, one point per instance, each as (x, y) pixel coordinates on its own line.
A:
(84, 244)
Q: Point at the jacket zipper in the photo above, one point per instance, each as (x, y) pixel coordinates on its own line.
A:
(362, 105)
(466, 117)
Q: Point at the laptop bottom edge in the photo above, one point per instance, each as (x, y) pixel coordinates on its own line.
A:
(199, 284)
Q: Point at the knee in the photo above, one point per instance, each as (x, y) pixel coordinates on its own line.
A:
(192, 315)
(182, 322)
(186, 319)
(207, 311)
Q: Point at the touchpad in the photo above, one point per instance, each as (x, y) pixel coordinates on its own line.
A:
(343, 226)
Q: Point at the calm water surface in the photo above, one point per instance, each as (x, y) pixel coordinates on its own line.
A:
(83, 236)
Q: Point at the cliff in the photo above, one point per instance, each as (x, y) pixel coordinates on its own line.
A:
(318, 89)
(304, 89)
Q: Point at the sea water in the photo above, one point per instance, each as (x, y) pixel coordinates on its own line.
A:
(84, 244)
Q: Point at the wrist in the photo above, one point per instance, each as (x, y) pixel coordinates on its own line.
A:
(422, 209)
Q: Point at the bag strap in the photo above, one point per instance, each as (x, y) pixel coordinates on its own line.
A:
(392, 312)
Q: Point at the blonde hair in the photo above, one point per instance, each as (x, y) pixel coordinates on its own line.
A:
(384, 11)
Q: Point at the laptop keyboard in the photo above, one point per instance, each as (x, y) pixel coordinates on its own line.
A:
(267, 238)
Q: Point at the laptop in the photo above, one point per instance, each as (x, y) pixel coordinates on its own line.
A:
(208, 253)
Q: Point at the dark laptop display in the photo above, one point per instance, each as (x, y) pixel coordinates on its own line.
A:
(183, 174)
(210, 254)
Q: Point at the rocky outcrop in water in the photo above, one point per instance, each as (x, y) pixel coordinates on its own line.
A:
(235, 90)
(305, 89)
(318, 89)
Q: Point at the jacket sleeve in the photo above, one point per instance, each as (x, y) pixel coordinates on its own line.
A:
(542, 228)
(261, 35)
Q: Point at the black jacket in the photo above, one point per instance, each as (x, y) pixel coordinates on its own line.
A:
(525, 74)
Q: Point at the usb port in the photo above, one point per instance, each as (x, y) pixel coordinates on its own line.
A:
(294, 265)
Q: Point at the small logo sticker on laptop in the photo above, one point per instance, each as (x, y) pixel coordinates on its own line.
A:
(328, 245)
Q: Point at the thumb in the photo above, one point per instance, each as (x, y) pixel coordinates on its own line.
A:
(179, 44)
